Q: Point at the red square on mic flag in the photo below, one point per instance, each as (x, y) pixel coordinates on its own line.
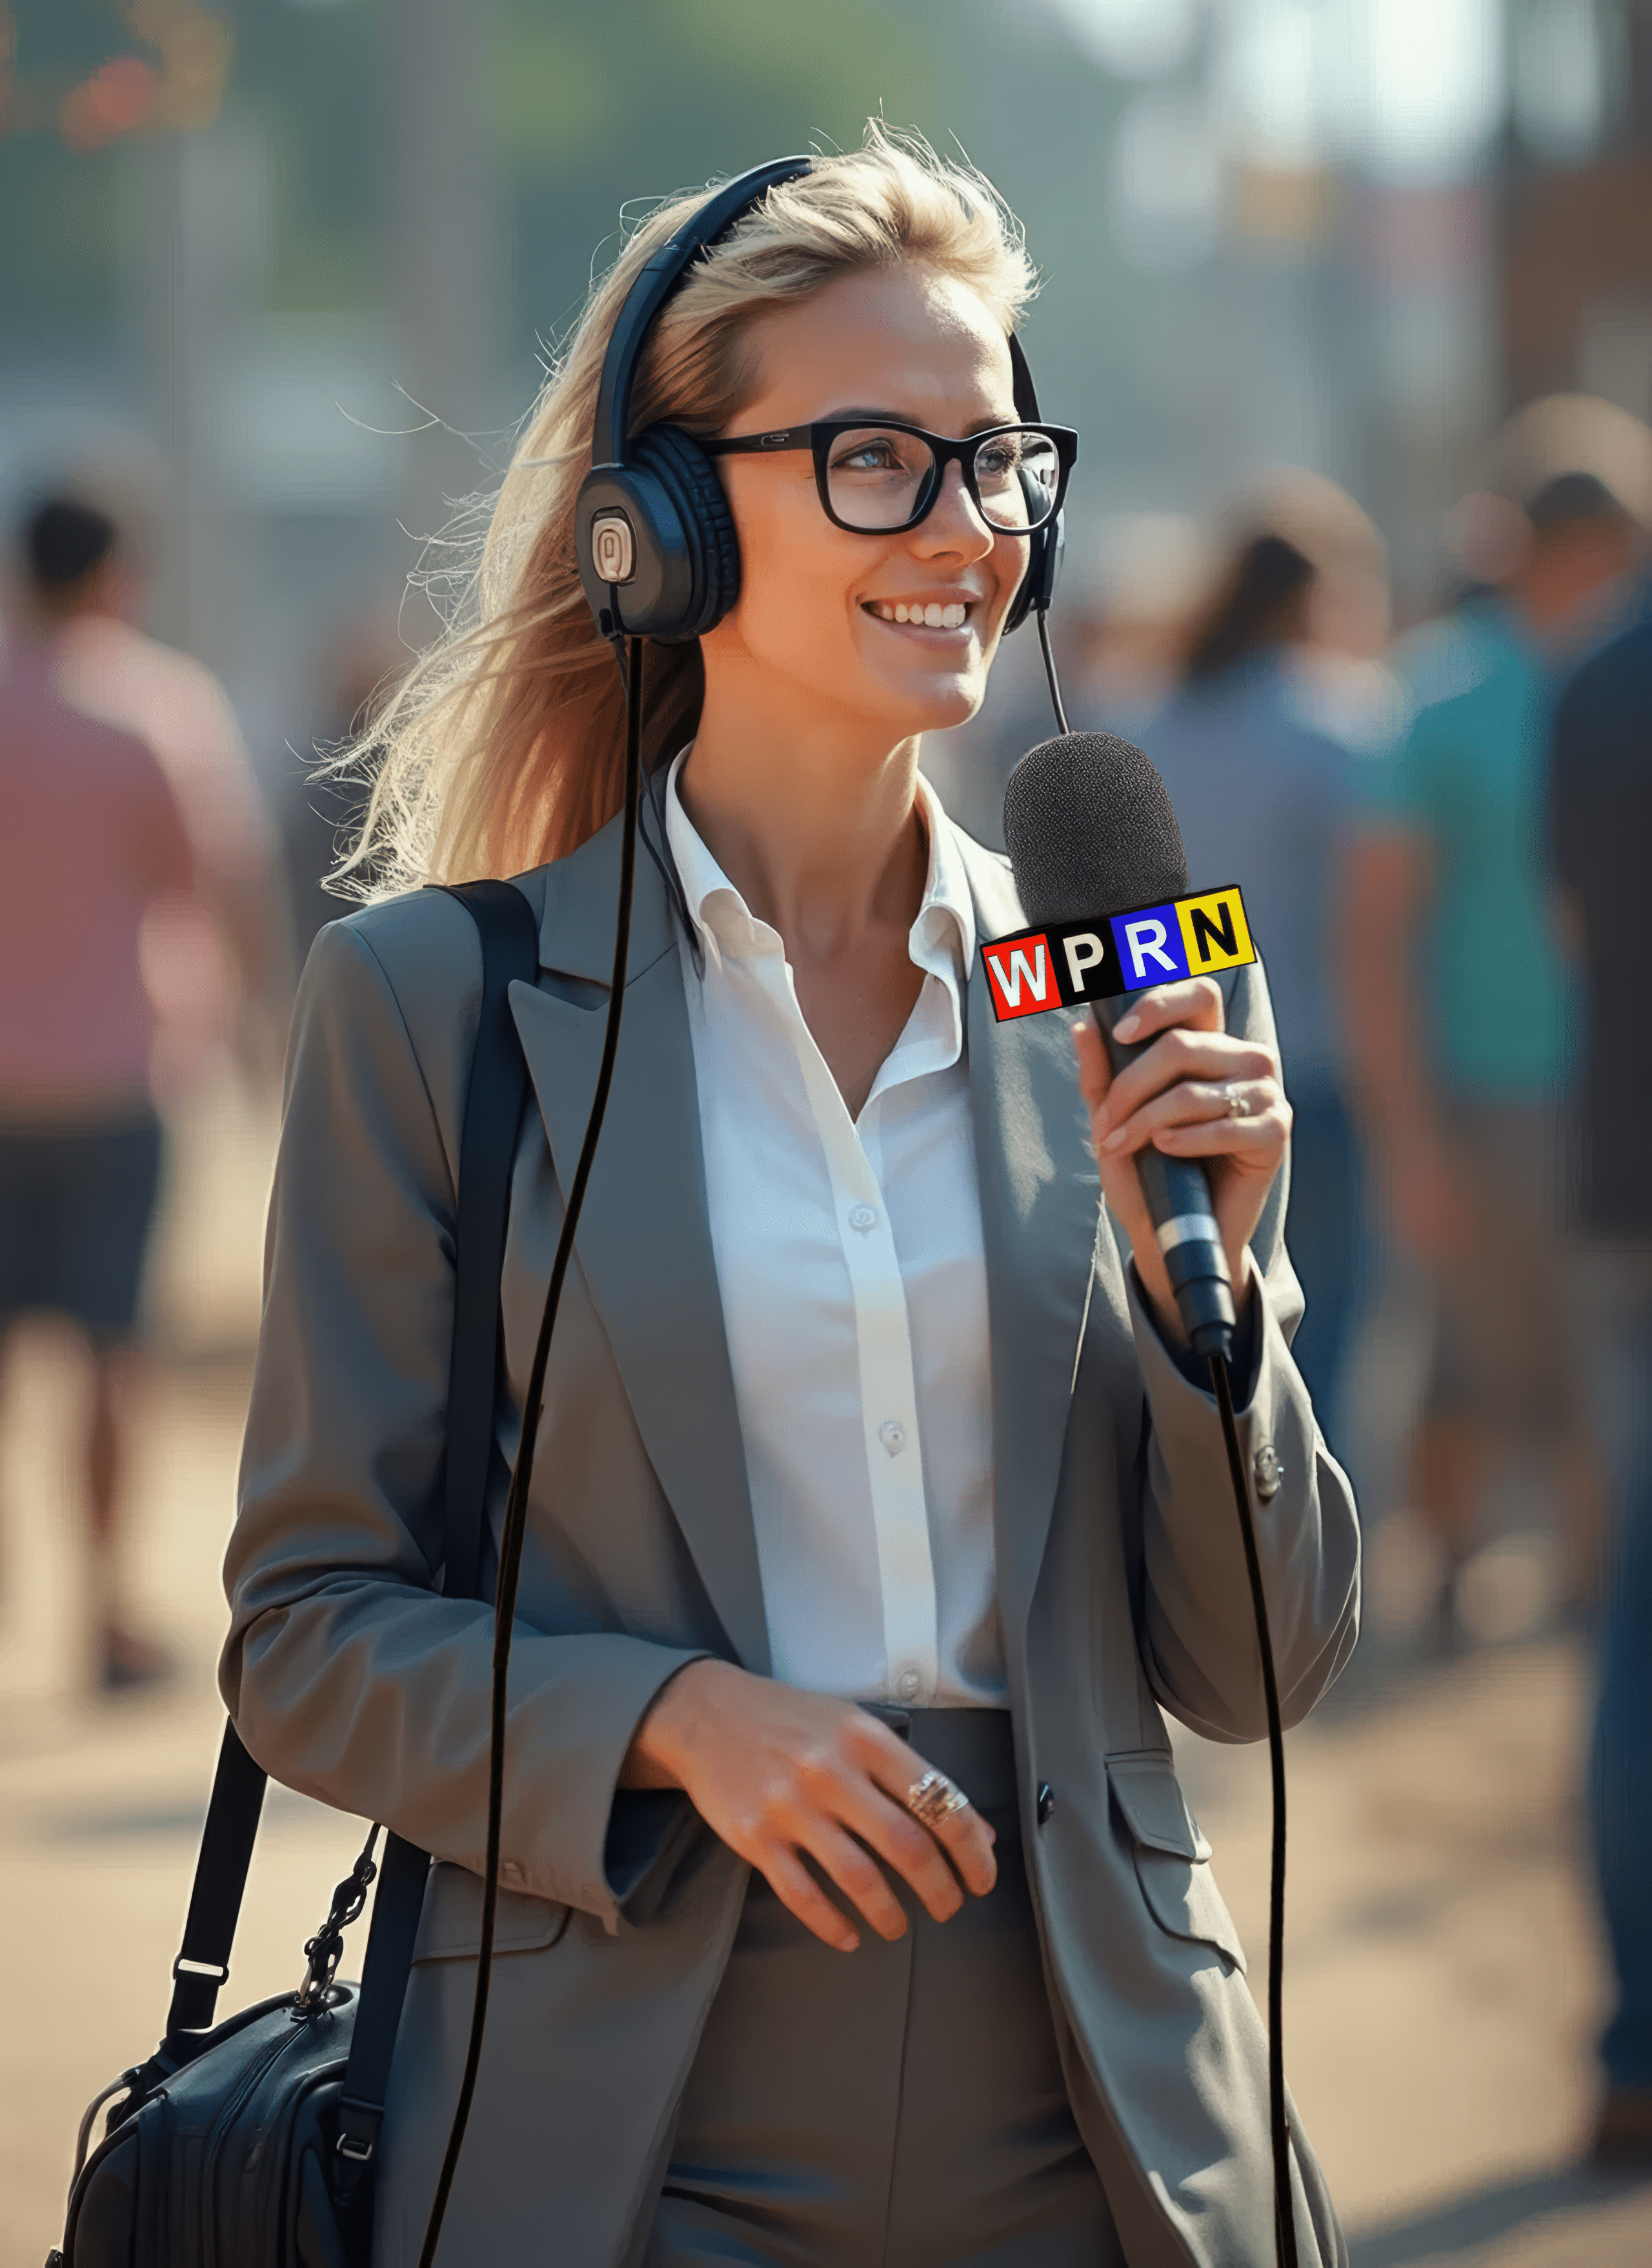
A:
(1023, 977)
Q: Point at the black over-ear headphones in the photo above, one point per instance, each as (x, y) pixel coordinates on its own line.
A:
(658, 552)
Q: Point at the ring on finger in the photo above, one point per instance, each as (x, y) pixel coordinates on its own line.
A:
(1238, 1101)
(935, 1798)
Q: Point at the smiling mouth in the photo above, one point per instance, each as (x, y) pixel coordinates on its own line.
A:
(933, 616)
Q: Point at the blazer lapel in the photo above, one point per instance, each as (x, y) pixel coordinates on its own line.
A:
(643, 1239)
(1039, 1196)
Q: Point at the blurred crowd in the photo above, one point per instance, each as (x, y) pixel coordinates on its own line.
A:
(1438, 836)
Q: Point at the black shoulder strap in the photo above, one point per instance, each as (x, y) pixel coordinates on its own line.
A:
(493, 1111)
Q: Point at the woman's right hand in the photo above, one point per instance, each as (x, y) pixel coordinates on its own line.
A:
(779, 1774)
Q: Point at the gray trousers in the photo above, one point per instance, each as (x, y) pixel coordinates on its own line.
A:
(899, 2107)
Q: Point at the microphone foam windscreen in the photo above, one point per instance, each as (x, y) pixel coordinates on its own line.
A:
(1090, 830)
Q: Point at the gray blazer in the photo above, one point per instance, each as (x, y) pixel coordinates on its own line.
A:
(1121, 1583)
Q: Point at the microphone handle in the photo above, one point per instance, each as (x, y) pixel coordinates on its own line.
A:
(1177, 1191)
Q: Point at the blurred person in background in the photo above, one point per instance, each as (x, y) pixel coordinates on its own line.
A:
(220, 962)
(93, 835)
(1456, 987)
(1600, 824)
(1279, 699)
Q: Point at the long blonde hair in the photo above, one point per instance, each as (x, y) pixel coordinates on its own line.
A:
(502, 747)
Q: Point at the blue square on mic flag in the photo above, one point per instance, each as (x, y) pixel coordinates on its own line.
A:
(1150, 946)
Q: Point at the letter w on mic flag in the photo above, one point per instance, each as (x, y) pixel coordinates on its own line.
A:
(1068, 964)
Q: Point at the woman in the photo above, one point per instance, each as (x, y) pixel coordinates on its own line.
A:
(1281, 696)
(864, 1451)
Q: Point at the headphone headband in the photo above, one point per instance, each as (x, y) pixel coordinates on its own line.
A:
(654, 286)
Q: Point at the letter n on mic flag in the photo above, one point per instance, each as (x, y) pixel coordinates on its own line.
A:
(1068, 964)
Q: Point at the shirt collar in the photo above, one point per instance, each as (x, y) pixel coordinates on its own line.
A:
(942, 938)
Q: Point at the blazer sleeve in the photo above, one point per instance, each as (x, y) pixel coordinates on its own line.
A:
(348, 1677)
(1197, 1628)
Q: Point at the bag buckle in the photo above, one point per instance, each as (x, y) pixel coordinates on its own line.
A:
(215, 1973)
(324, 1951)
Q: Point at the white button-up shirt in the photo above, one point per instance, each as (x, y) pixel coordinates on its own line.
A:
(853, 1282)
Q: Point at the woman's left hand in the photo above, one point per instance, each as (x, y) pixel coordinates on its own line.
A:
(1180, 1096)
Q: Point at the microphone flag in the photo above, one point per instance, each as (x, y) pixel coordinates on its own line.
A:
(1070, 964)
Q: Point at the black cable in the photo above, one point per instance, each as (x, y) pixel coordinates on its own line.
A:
(1284, 2211)
(515, 1526)
(1050, 672)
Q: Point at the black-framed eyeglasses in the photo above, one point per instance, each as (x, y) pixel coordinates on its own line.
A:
(879, 478)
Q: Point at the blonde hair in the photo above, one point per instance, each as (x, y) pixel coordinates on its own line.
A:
(502, 747)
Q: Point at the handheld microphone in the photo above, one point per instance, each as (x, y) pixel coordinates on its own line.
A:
(1092, 835)
(1091, 832)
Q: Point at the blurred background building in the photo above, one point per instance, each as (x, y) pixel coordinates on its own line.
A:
(291, 270)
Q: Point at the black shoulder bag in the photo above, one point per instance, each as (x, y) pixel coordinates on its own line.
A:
(255, 2141)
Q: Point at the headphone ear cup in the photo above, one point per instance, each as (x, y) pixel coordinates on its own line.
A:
(689, 478)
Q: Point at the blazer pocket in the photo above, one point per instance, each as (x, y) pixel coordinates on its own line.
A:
(1172, 1857)
(450, 1927)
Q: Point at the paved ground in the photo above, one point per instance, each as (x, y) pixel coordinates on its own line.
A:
(1443, 1976)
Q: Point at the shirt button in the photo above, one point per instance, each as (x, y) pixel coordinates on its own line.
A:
(892, 1433)
(862, 1216)
(910, 1685)
(1046, 1802)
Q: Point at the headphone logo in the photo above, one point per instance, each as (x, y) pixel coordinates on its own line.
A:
(613, 548)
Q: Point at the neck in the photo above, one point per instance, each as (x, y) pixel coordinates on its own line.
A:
(813, 819)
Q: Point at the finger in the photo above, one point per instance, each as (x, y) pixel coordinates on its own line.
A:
(1196, 1000)
(864, 1884)
(1179, 1056)
(801, 1895)
(1095, 1070)
(915, 1849)
(1255, 1143)
(968, 1841)
(1195, 1102)
(909, 1850)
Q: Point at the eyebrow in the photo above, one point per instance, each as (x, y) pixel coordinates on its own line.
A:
(877, 416)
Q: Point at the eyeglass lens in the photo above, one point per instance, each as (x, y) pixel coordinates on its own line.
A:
(877, 478)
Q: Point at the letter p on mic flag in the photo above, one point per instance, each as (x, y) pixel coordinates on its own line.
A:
(1068, 964)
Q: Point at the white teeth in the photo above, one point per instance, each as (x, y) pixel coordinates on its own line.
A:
(933, 616)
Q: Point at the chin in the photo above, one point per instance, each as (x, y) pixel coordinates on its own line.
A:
(934, 705)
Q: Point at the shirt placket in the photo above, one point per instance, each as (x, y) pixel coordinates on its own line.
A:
(883, 1346)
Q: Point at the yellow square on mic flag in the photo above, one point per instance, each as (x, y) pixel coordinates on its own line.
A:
(1215, 932)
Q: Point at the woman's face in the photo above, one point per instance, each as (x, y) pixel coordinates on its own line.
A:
(817, 603)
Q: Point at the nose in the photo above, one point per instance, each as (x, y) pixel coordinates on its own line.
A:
(953, 526)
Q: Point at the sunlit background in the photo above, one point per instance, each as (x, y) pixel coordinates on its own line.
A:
(278, 278)
(299, 263)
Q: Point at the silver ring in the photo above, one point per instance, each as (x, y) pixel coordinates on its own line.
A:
(1238, 1106)
(935, 1798)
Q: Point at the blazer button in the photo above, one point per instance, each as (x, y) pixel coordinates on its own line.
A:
(1046, 1801)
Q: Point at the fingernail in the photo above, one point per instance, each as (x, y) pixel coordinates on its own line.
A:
(1125, 1028)
(1115, 1137)
(848, 1945)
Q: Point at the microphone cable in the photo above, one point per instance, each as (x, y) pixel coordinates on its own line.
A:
(629, 653)
(1278, 2123)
